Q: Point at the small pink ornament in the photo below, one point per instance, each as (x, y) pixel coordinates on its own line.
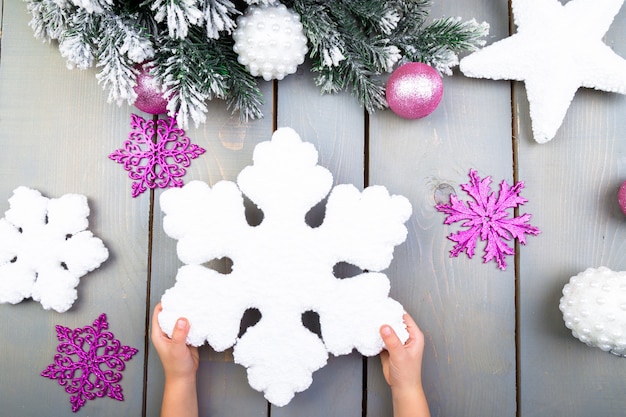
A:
(149, 96)
(621, 197)
(156, 154)
(488, 217)
(89, 362)
(414, 90)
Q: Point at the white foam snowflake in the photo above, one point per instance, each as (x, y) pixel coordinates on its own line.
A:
(284, 267)
(45, 249)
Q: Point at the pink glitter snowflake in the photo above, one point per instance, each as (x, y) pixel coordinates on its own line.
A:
(487, 217)
(89, 363)
(156, 163)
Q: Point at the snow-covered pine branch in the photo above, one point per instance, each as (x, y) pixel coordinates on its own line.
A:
(93, 6)
(77, 43)
(117, 54)
(439, 43)
(243, 91)
(327, 44)
(219, 17)
(190, 74)
(351, 44)
(49, 18)
(179, 15)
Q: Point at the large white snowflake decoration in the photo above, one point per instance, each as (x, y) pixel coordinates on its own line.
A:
(283, 267)
(45, 249)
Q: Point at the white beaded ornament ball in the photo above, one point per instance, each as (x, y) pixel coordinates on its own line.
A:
(269, 41)
(594, 308)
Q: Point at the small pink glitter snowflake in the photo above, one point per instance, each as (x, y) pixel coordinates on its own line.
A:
(158, 163)
(89, 363)
(487, 217)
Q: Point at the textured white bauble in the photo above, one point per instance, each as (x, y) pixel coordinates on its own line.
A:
(594, 308)
(269, 41)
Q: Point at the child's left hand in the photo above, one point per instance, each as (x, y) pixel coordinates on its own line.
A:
(180, 361)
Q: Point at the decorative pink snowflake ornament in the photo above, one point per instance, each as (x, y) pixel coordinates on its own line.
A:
(487, 218)
(89, 363)
(156, 163)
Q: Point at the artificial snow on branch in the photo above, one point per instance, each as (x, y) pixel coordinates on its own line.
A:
(189, 44)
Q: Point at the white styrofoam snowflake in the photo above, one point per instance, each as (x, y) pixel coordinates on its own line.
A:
(284, 267)
(45, 248)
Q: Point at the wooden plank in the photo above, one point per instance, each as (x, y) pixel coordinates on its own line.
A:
(464, 307)
(223, 388)
(571, 184)
(335, 125)
(56, 130)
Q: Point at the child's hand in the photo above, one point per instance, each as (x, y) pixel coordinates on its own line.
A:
(179, 360)
(402, 367)
(180, 363)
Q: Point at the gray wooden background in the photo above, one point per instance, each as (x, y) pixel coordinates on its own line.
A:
(496, 344)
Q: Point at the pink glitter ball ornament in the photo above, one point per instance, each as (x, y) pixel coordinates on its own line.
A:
(149, 96)
(414, 90)
(621, 197)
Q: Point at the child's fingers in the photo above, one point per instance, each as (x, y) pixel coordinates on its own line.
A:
(411, 326)
(414, 331)
(390, 338)
(181, 330)
(156, 328)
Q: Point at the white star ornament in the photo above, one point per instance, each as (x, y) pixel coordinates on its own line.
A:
(557, 49)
